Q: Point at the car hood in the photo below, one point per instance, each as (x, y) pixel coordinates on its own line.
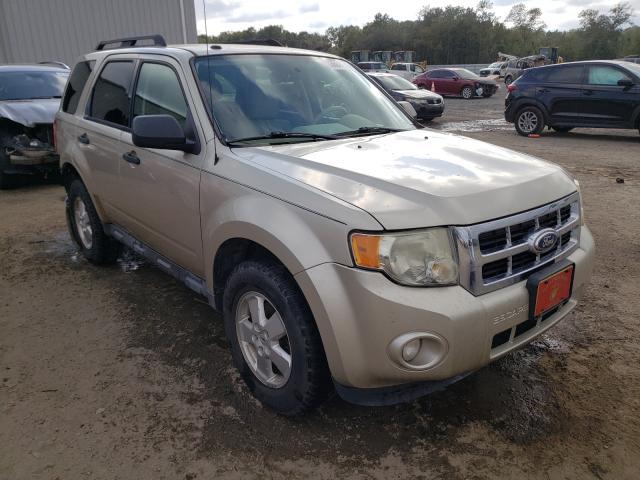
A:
(419, 178)
(417, 94)
(30, 112)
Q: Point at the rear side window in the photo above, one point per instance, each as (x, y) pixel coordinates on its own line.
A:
(158, 92)
(605, 75)
(111, 99)
(564, 74)
(75, 86)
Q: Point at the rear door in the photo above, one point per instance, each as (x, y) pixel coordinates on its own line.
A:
(160, 189)
(560, 90)
(605, 103)
(107, 116)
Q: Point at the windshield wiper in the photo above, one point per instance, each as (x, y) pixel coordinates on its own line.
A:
(368, 131)
(278, 135)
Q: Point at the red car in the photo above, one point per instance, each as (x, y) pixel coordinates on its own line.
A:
(456, 81)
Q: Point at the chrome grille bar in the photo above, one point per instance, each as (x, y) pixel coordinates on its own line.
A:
(472, 259)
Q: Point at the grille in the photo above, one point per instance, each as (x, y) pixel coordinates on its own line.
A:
(497, 253)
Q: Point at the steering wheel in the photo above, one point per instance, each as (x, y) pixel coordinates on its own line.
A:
(334, 112)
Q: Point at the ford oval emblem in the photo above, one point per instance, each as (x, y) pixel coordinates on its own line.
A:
(543, 241)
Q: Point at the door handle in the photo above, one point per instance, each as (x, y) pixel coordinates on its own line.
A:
(588, 92)
(84, 139)
(131, 157)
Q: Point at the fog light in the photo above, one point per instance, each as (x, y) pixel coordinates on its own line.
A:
(411, 349)
(418, 350)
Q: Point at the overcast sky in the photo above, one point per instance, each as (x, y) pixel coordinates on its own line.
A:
(317, 15)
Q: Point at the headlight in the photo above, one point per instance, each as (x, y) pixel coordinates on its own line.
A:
(421, 259)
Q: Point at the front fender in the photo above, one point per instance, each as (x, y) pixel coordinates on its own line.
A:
(300, 239)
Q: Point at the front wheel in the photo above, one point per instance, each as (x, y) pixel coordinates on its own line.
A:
(275, 343)
(529, 121)
(86, 229)
(467, 93)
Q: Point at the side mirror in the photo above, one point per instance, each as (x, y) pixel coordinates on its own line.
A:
(455, 79)
(408, 108)
(160, 131)
(625, 82)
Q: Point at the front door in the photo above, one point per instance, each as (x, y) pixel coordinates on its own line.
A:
(160, 188)
(605, 103)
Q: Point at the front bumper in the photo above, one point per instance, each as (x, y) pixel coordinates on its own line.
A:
(359, 313)
(428, 110)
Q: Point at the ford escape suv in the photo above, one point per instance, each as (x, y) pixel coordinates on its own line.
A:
(346, 248)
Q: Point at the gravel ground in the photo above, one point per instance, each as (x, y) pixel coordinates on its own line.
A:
(121, 372)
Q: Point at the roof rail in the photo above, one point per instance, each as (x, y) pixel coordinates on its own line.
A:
(158, 41)
(269, 42)
(57, 64)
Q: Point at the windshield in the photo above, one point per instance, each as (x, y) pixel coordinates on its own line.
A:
(31, 84)
(394, 82)
(254, 96)
(464, 73)
(634, 68)
(495, 65)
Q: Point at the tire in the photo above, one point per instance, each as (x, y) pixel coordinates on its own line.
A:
(287, 387)
(529, 121)
(467, 93)
(562, 129)
(508, 80)
(85, 227)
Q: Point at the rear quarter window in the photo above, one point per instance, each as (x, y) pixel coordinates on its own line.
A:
(75, 86)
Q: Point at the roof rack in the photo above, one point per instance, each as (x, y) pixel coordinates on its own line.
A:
(57, 64)
(158, 41)
(269, 42)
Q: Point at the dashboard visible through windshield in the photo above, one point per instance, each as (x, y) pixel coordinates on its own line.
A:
(279, 98)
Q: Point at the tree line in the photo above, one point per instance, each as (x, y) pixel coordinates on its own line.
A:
(454, 35)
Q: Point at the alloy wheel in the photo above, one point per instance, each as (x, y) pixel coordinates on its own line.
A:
(83, 223)
(263, 339)
(528, 121)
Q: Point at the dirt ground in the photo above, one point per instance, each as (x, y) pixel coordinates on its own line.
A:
(122, 373)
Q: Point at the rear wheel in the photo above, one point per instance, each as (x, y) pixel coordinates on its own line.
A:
(529, 121)
(275, 343)
(467, 93)
(86, 229)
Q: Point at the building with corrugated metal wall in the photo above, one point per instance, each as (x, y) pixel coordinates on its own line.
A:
(61, 30)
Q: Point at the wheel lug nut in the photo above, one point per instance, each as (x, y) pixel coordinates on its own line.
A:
(254, 339)
(260, 351)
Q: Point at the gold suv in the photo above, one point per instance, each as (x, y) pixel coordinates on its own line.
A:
(346, 247)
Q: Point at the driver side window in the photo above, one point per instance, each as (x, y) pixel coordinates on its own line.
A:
(158, 92)
(605, 75)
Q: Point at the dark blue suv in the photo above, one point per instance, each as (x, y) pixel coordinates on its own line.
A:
(600, 94)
